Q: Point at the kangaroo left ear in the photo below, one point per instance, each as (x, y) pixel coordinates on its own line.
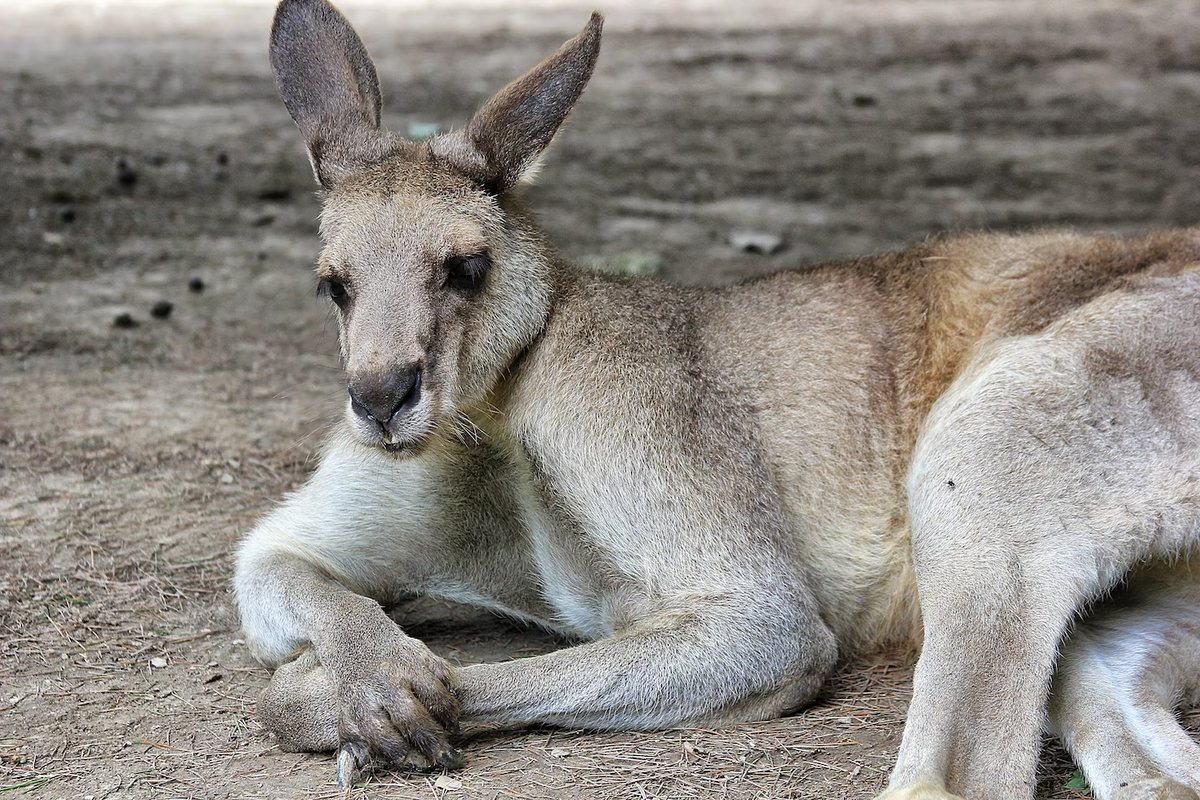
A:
(328, 83)
(501, 144)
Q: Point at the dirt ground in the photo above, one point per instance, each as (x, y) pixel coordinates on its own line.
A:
(142, 146)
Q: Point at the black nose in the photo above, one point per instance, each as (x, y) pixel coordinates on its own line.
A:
(381, 396)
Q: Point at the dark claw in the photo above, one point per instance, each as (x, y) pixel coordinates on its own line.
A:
(352, 757)
(393, 753)
(450, 758)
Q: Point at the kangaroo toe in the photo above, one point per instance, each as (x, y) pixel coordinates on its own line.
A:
(918, 791)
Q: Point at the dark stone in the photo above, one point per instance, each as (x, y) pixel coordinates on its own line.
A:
(125, 175)
(277, 193)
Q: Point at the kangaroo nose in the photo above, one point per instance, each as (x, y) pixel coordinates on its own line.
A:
(379, 397)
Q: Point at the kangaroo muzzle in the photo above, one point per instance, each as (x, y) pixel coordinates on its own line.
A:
(383, 397)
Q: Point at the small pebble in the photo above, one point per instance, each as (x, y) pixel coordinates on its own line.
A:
(124, 320)
(275, 193)
(158, 661)
(196, 284)
(162, 309)
(423, 130)
(756, 242)
(125, 175)
(632, 263)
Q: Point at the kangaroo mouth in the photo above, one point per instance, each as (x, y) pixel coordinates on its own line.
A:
(399, 447)
(398, 443)
(398, 437)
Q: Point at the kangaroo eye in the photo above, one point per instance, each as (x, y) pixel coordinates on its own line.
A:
(465, 274)
(335, 290)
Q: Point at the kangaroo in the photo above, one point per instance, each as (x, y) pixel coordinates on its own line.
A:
(984, 448)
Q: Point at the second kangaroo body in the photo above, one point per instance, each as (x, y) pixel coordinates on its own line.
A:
(986, 448)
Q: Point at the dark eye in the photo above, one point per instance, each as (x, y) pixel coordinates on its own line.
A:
(465, 274)
(335, 290)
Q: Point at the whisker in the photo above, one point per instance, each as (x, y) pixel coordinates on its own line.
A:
(466, 427)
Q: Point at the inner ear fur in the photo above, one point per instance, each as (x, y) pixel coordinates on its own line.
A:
(501, 144)
(329, 86)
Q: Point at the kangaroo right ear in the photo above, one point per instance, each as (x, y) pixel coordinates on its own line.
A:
(502, 143)
(329, 86)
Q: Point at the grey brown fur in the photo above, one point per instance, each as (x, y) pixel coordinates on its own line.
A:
(984, 447)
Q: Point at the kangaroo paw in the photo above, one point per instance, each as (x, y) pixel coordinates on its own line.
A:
(1155, 789)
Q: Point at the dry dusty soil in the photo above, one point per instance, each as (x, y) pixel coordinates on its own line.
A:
(142, 145)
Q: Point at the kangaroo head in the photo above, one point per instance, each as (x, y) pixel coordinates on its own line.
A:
(438, 277)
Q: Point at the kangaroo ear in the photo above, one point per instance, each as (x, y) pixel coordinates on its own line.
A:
(329, 86)
(501, 144)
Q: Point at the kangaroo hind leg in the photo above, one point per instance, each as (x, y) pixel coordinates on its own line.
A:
(1121, 677)
(1055, 465)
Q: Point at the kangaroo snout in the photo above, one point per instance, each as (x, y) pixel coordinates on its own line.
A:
(380, 397)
